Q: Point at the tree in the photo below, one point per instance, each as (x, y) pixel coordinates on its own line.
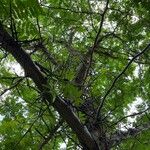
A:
(83, 66)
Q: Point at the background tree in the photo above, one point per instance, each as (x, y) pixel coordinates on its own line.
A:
(74, 73)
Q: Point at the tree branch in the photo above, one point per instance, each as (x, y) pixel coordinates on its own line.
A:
(32, 71)
(50, 135)
(71, 10)
(73, 121)
(86, 64)
(131, 115)
(11, 87)
(118, 137)
(117, 78)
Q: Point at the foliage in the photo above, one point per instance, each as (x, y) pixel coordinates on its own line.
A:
(89, 52)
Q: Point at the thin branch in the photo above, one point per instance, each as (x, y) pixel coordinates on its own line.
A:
(68, 45)
(40, 114)
(119, 136)
(12, 23)
(89, 5)
(10, 78)
(39, 29)
(131, 115)
(84, 67)
(39, 133)
(116, 79)
(41, 46)
(71, 10)
(47, 53)
(96, 42)
(11, 87)
(50, 135)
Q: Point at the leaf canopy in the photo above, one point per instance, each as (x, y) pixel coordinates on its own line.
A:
(94, 55)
